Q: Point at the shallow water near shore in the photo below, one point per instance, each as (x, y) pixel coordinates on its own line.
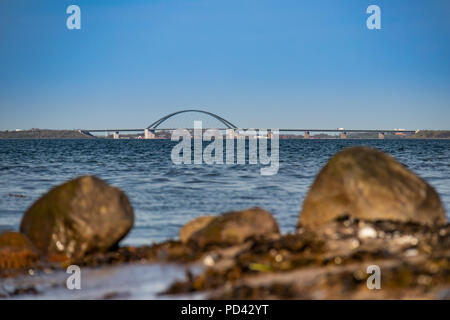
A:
(166, 196)
(128, 281)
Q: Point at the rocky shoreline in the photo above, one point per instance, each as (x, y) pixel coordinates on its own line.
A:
(364, 209)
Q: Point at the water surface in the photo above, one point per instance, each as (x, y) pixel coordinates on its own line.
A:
(127, 281)
(165, 196)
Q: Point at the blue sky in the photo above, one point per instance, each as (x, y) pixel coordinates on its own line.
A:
(257, 63)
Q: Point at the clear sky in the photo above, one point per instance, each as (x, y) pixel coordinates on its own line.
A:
(257, 63)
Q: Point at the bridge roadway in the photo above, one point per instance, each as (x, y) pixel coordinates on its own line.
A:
(232, 133)
(281, 130)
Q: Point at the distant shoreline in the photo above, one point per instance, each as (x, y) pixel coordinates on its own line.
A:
(47, 134)
(44, 134)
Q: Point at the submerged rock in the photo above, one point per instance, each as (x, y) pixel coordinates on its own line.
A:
(193, 226)
(235, 227)
(16, 252)
(81, 216)
(368, 184)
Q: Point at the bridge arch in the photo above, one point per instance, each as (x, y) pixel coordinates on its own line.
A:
(227, 123)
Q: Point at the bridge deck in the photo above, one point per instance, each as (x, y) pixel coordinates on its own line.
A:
(281, 130)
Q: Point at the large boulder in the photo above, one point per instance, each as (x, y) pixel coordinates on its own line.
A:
(368, 184)
(235, 227)
(81, 216)
(16, 251)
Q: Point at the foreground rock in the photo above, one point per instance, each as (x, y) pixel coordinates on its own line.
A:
(16, 253)
(193, 226)
(82, 216)
(235, 227)
(368, 184)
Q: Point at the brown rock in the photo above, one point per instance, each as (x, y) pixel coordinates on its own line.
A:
(235, 227)
(193, 226)
(81, 216)
(368, 184)
(16, 251)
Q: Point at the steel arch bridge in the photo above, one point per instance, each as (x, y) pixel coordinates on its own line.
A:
(227, 123)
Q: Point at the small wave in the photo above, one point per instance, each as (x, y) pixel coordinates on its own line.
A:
(16, 195)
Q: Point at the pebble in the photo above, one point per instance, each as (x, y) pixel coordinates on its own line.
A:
(424, 280)
(208, 261)
(355, 244)
(367, 233)
(411, 253)
(407, 240)
(348, 231)
(359, 275)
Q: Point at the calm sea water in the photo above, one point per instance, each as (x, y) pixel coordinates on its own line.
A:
(166, 196)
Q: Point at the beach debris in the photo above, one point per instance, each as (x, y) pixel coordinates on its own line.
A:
(313, 263)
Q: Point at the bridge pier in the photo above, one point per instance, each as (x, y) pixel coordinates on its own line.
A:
(149, 134)
(269, 134)
(343, 135)
(380, 135)
(306, 135)
(231, 134)
(116, 135)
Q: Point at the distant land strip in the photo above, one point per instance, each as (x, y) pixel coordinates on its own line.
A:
(78, 134)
